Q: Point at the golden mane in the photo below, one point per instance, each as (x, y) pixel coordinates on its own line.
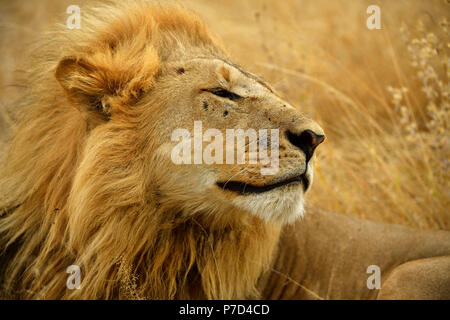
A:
(63, 201)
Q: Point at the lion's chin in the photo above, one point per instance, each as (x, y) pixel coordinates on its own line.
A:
(280, 206)
(283, 205)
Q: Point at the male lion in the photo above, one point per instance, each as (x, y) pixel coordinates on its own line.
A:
(88, 180)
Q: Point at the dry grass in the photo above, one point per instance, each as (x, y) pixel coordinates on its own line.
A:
(381, 95)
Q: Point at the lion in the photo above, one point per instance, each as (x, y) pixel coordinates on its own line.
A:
(88, 180)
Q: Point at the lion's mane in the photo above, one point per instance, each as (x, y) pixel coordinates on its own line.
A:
(65, 200)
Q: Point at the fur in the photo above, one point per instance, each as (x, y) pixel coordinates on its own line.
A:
(73, 189)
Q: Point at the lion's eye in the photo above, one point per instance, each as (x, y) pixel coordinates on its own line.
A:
(224, 93)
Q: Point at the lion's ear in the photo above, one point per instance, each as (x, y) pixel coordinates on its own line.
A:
(82, 83)
(105, 82)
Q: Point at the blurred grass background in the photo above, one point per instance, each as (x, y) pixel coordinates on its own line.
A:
(381, 95)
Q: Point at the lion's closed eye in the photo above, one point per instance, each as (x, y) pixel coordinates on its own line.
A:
(223, 93)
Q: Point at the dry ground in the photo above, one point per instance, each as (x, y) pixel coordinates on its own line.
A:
(381, 95)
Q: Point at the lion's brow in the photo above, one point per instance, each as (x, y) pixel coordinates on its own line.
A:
(250, 75)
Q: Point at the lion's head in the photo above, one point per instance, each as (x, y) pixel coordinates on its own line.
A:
(118, 180)
(221, 98)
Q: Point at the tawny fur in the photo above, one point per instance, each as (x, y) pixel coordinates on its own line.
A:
(74, 195)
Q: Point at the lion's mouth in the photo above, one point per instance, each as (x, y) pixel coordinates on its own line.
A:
(246, 188)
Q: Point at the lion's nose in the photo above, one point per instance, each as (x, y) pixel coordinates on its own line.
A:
(307, 141)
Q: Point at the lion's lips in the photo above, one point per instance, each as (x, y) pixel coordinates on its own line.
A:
(246, 188)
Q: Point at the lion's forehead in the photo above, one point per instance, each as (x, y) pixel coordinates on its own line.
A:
(242, 81)
(236, 78)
